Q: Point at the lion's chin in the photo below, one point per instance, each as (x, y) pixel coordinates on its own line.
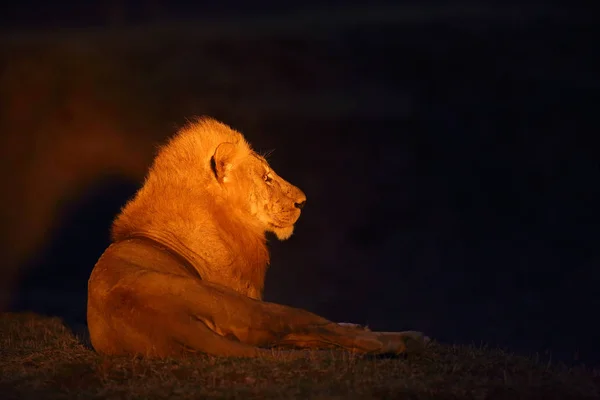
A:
(283, 233)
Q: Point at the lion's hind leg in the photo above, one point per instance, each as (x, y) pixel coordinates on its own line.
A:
(158, 314)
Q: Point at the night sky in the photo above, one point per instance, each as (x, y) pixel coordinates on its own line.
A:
(447, 152)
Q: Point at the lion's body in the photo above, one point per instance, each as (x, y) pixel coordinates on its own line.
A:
(187, 267)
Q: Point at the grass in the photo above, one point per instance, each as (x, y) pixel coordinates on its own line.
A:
(41, 359)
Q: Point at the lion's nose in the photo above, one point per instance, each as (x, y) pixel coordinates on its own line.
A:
(300, 205)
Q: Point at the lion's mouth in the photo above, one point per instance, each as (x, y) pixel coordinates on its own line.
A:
(284, 221)
(282, 224)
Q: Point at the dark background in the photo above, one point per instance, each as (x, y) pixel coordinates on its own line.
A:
(447, 151)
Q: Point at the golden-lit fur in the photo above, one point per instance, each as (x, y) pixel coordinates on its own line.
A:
(187, 267)
(219, 219)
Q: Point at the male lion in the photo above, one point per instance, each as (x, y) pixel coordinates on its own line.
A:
(186, 269)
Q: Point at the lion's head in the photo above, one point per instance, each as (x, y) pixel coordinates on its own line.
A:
(210, 198)
(208, 172)
(248, 182)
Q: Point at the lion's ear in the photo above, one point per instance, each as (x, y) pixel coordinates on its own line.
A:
(222, 161)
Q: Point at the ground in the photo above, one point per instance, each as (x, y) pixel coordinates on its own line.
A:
(40, 358)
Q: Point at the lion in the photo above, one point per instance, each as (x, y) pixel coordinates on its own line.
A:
(186, 267)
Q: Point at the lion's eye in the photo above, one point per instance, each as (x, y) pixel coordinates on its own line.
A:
(267, 178)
